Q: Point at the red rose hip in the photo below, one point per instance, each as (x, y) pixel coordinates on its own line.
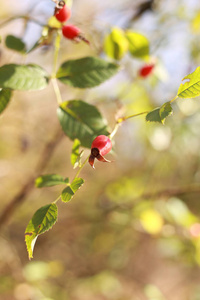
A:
(146, 70)
(63, 14)
(70, 31)
(101, 145)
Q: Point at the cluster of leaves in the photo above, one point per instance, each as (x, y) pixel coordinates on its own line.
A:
(118, 42)
(80, 121)
(190, 88)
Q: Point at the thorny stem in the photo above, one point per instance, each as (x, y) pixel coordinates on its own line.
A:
(27, 18)
(173, 99)
(122, 119)
(81, 167)
(76, 176)
(55, 60)
(114, 130)
(56, 52)
(57, 199)
(57, 90)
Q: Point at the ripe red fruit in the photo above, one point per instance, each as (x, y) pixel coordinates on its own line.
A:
(70, 31)
(101, 145)
(63, 14)
(146, 70)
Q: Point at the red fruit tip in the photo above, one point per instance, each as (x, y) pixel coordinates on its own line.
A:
(146, 70)
(91, 161)
(72, 32)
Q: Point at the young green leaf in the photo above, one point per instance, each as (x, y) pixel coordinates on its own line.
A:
(191, 87)
(82, 121)
(159, 114)
(50, 180)
(86, 72)
(75, 155)
(43, 220)
(138, 45)
(5, 96)
(14, 43)
(70, 190)
(154, 116)
(165, 111)
(23, 77)
(116, 44)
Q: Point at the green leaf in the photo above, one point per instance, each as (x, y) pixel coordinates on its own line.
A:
(116, 44)
(43, 220)
(14, 43)
(165, 111)
(23, 77)
(70, 190)
(138, 44)
(86, 72)
(82, 121)
(75, 155)
(50, 180)
(5, 96)
(191, 87)
(154, 116)
(160, 114)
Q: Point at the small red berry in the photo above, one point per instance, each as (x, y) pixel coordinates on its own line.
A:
(63, 14)
(72, 32)
(101, 145)
(146, 70)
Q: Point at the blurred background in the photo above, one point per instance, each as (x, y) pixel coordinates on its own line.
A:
(133, 230)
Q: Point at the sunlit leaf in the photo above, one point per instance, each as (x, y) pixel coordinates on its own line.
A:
(165, 111)
(116, 44)
(71, 189)
(14, 43)
(190, 88)
(86, 72)
(23, 77)
(82, 121)
(43, 220)
(50, 180)
(5, 96)
(76, 155)
(138, 44)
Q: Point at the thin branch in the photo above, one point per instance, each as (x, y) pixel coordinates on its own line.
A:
(27, 18)
(165, 193)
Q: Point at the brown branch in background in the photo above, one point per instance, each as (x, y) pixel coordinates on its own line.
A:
(171, 192)
(43, 160)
